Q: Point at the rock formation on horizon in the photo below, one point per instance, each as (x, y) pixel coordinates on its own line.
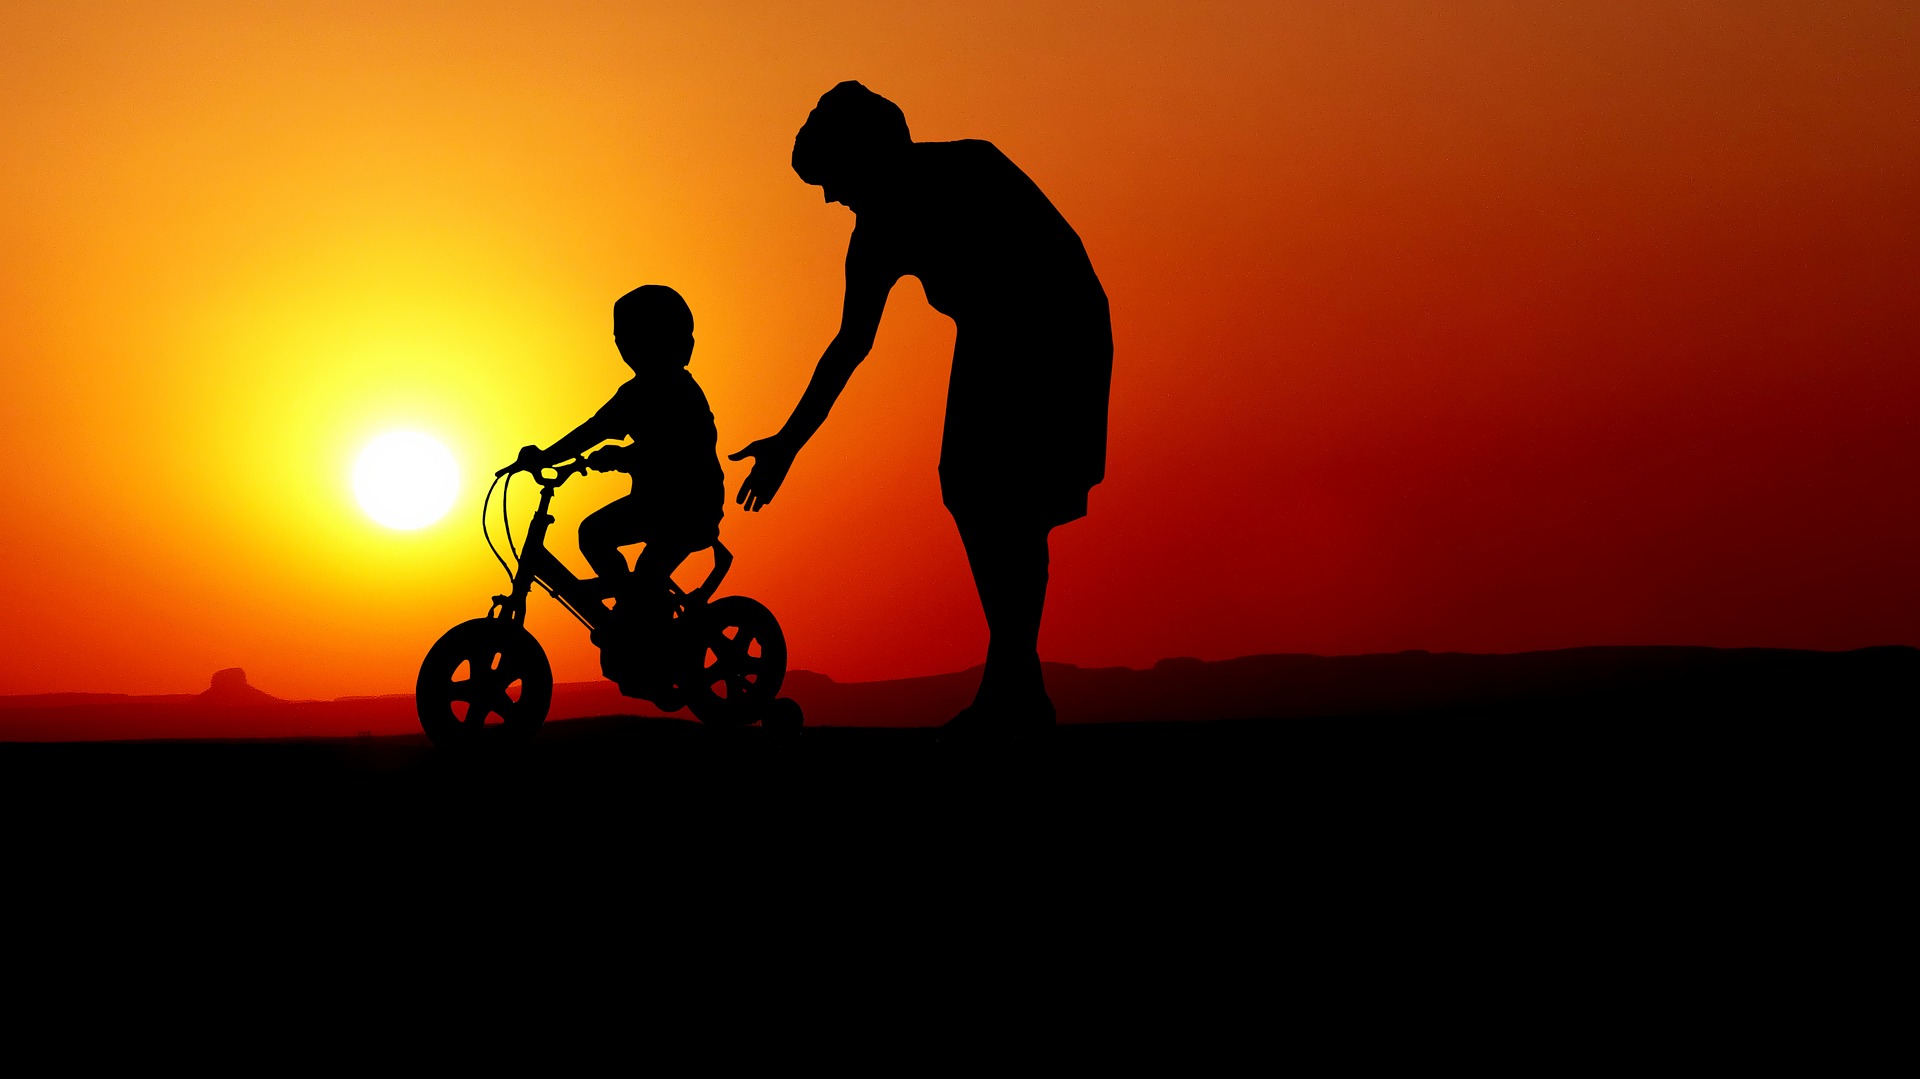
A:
(230, 686)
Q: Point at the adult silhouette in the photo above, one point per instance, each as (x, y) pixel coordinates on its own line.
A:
(1026, 418)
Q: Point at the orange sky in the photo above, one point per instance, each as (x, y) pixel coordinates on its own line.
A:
(1462, 326)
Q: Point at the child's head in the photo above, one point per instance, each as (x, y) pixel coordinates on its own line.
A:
(653, 328)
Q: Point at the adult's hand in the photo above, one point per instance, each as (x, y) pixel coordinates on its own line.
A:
(771, 460)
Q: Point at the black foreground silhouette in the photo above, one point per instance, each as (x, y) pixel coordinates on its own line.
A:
(487, 680)
(1026, 419)
(1638, 782)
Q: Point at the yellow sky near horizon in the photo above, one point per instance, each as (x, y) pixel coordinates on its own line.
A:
(1390, 282)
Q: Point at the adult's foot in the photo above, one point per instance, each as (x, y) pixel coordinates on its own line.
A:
(1000, 720)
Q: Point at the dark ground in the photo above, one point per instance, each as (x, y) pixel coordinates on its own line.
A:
(1595, 879)
(1689, 809)
(1237, 803)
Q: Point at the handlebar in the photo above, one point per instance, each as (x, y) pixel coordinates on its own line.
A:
(575, 467)
(611, 460)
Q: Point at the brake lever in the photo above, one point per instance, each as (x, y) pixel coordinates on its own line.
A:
(575, 467)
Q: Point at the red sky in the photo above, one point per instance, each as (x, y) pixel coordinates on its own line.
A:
(1472, 326)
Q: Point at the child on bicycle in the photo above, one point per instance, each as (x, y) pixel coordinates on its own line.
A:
(678, 490)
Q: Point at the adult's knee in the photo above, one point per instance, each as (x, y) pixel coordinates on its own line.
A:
(1006, 543)
(1009, 564)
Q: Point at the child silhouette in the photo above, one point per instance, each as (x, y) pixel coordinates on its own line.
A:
(678, 489)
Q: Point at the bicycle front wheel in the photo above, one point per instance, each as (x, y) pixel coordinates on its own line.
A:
(483, 682)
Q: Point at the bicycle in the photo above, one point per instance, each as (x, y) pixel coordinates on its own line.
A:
(487, 680)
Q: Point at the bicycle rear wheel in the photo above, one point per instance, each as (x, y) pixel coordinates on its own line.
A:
(743, 660)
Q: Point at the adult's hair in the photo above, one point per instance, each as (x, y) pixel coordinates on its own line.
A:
(849, 126)
(657, 307)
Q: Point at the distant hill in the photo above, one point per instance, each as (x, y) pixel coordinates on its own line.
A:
(1628, 681)
(1633, 680)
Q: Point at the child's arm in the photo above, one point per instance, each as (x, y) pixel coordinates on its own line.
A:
(575, 442)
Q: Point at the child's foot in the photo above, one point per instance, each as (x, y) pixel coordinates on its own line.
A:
(662, 693)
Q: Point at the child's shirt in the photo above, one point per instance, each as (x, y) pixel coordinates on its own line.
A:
(674, 461)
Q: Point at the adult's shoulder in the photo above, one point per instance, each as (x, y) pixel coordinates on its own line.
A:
(963, 154)
(960, 148)
(976, 172)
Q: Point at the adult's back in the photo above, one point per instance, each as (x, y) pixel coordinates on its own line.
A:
(985, 242)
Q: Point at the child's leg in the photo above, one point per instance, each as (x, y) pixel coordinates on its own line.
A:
(658, 561)
(613, 526)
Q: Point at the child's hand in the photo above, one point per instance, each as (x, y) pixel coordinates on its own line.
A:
(771, 460)
(608, 459)
(528, 461)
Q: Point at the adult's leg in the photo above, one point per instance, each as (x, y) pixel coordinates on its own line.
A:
(1009, 562)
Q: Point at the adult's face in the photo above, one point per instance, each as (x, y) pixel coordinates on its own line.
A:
(858, 182)
(846, 190)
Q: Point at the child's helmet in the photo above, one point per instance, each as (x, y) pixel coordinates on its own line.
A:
(656, 308)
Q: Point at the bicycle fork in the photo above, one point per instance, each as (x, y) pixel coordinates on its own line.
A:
(534, 561)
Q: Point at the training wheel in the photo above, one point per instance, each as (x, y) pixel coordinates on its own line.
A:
(783, 719)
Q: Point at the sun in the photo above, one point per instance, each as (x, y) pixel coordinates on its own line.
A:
(405, 480)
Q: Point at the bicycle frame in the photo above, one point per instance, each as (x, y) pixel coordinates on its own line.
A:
(582, 597)
(723, 659)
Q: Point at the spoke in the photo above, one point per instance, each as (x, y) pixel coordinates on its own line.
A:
(503, 706)
(483, 673)
(734, 648)
(484, 689)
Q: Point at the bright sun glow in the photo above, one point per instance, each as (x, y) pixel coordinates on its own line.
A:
(405, 480)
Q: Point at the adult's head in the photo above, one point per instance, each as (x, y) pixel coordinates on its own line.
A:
(653, 327)
(847, 138)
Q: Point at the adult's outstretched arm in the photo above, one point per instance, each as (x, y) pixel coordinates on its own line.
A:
(866, 299)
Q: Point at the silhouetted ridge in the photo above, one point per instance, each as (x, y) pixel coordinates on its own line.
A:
(1612, 683)
(1625, 680)
(229, 687)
